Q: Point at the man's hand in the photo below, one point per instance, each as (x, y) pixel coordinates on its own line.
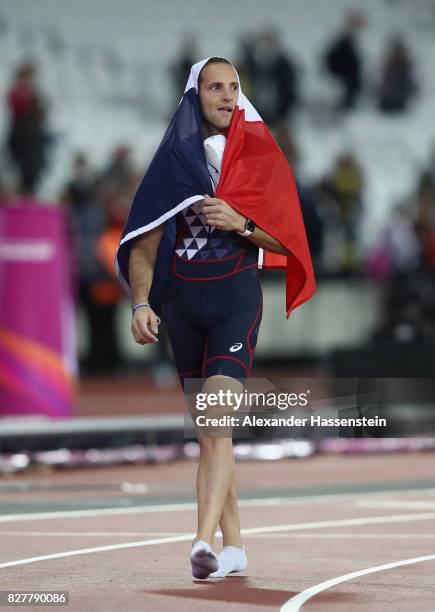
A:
(219, 214)
(144, 326)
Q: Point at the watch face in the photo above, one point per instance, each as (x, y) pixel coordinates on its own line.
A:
(250, 225)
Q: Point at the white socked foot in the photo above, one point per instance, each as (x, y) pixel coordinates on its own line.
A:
(232, 559)
(203, 559)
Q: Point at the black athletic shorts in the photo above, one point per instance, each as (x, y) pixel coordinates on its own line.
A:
(213, 324)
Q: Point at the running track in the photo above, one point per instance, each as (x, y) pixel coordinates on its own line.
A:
(352, 533)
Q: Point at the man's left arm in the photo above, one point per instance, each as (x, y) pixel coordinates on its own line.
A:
(219, 214)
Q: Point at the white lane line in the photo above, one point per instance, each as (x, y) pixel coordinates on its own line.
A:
(177, 507)
(97, 549)
(347, 536)
(98, 512)
(367, 520)
(81, 534)
(396, 503)
(151, 534)
(295, 603)
(190, 536)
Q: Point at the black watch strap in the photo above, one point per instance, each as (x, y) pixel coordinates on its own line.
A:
(249, 228)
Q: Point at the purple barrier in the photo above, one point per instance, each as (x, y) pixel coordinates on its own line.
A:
(37, 332)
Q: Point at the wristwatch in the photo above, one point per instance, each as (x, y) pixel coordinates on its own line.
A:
(249, 228)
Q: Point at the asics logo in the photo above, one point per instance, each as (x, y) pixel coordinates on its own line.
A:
(236, 347)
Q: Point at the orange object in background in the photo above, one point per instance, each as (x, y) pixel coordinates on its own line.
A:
(107, 291)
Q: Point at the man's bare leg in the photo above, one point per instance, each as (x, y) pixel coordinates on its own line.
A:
(229, 520)
(216, 479)
(233, 556)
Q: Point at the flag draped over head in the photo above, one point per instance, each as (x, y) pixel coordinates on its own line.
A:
(256, 180)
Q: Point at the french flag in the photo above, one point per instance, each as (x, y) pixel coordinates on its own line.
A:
(256, 180)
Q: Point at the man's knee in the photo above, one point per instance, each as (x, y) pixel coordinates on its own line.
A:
(218, 407)
(219, 394)
(217, 382)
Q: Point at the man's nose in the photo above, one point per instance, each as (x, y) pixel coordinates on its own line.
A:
(228, 95)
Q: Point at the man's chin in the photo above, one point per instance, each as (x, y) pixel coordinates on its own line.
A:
(223, 125)
(219, 127)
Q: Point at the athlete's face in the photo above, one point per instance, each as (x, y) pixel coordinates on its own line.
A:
(218, 93)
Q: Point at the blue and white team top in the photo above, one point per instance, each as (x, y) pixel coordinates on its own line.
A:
(196, 241)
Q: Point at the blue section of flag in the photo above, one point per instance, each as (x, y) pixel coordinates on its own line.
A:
(177, 172)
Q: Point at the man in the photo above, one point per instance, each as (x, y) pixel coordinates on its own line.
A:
(344, 62)
(273, 76)
(27, 140)
(211, 302)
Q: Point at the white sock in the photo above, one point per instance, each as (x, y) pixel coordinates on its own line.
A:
(203, 560)
(232, 559)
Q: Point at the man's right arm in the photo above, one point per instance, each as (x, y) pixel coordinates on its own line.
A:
(143, 253)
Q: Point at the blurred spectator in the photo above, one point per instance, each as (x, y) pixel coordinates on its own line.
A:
(80, 190)
(405, 258)
(284, 138)
(243, 69)
(314, 225)
(342, 192)
(343, 61)
(106, 292)
(98, 204)
(87, 221)
(27, 140)
(408, 310)
(272, 76)
(180, 70)
(425, 228)
(346, 187)
(398, 251)
(120, 172)
(425, 214)
(426, 185)
(398, 84)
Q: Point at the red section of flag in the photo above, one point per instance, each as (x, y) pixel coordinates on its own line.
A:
(257, 181)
